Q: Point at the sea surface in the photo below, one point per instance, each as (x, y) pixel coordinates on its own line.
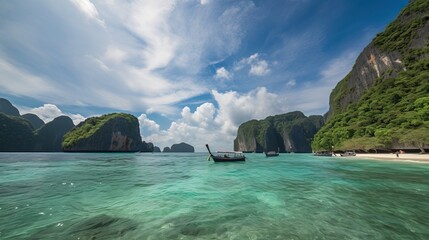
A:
(184, 196)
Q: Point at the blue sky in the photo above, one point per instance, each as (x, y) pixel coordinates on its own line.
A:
(190, 70)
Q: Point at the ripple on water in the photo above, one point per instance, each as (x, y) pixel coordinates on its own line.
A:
(168, 196)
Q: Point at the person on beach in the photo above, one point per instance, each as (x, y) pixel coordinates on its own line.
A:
(397, 154)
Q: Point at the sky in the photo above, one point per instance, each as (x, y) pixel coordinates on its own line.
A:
(189, 70)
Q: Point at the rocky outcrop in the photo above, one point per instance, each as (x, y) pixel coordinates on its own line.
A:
(290, 132)
(182, 147)
(156, 149)
(116, 132)
(179, 147)
(35, 121)
(50, 136)
(166, 149)
(7, 108)
(146, 147)
(16, 134)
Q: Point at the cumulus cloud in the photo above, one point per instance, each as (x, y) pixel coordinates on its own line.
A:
(147, 125)
(218, 126)
(222, 73)
(257, 65)
(49, 112)
(236, 108)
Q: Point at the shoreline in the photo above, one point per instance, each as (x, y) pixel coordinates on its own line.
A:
(405, 157)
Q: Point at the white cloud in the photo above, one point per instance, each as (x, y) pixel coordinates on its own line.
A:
(222, 73)
(49, 112)
(150, 54)
(258, 66)
(235, 108)
(89, 9)
(218, 126)
(291, 83)
(16, 81)
(204, 2)
(147, 125)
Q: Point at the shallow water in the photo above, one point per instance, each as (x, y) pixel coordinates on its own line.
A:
(182, 196)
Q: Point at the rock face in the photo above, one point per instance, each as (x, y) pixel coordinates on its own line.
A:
(383, 103)
(146, 147)
(166, 149)
(116, 132)
(290, 132)
(370, 65)
(34, 120)
(50, 136)
(156, 149)
(182, 147)
(385, 57)
(16, 134)
(7, 108)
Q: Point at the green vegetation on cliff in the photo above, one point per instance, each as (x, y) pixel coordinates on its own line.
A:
(90, 126)
(395, 111)
(288, 132)
(16, 134)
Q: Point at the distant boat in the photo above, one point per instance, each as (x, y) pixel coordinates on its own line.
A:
(348, 154)
(226, 156)
(272, 153)
(323, 154)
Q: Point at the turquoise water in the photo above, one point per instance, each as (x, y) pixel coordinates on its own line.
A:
(183, 196)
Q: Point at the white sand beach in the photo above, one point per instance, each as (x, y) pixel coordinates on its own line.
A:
(411, 157)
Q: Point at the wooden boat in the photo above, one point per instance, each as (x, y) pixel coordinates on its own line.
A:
(348, 154)
(323, 154)
(271, 154)
(226, 156)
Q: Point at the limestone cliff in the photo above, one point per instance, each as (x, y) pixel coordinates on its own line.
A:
(391, 52)
(35, 121)
(147, 147)
(383, 103)
(16, 134)
(116, 132)
(7, 108)
(166, 149)
(49, 137)
(290, 132)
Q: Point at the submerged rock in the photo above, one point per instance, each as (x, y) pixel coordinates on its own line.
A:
(98, 227)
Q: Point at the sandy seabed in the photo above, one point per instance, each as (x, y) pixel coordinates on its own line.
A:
(411, 157)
